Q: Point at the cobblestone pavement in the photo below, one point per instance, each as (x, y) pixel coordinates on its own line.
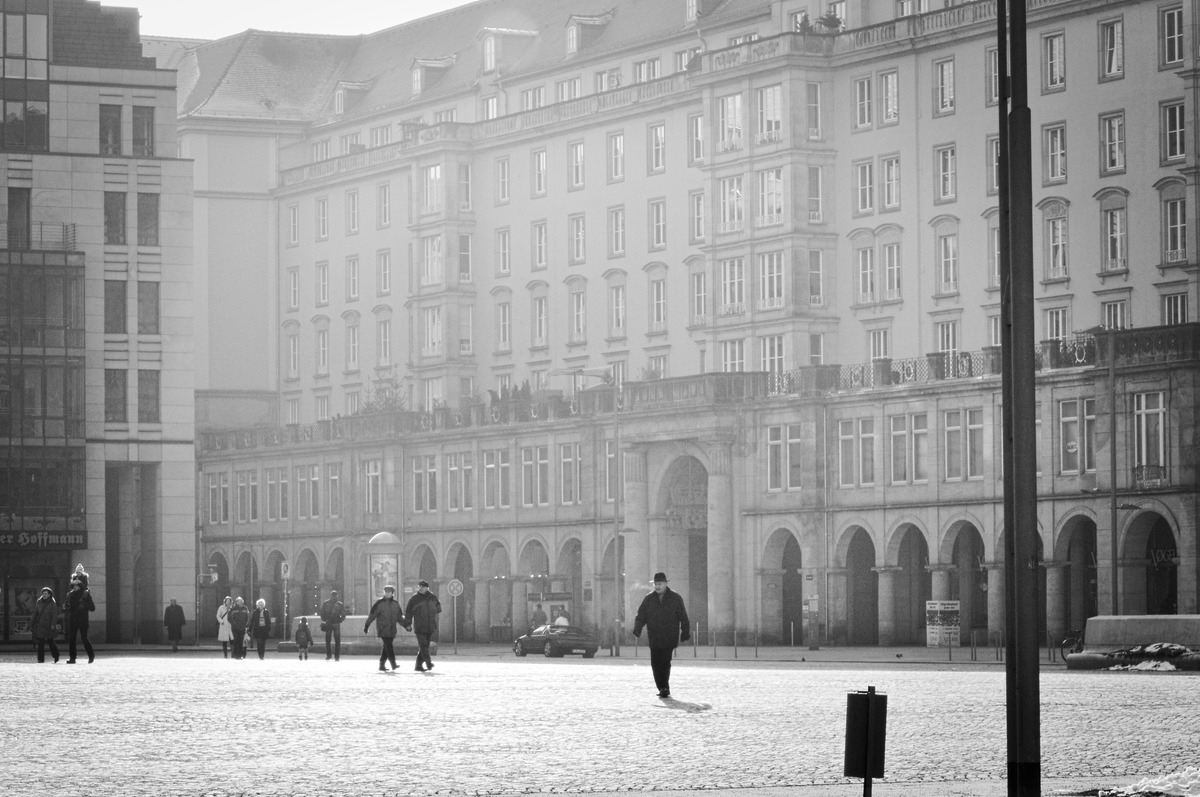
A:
(202, 725)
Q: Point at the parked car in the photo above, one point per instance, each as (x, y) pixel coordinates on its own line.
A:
(557, 640)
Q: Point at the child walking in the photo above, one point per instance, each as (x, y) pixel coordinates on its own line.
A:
(303, 638)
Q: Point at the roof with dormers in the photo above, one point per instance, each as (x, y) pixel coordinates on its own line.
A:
(291, 76)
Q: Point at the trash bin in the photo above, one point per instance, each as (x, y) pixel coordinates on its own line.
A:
(866, 730)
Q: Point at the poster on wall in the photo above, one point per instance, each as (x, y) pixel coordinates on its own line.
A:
(385, 570)
(941, 623)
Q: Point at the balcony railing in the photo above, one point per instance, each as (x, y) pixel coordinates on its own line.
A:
(769, 136)
(768, 220)
(815, 217)
(1175, 255)
(38, 236)
(733, 225)
(1150, 475)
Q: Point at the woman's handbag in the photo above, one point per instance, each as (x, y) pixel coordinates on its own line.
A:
(324, 627)
(249, 640)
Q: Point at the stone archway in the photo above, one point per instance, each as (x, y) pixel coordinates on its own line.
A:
(1072, 592)
(683, 504)
(423, 567)
(278, 602)
(963, 549)
(570, 567)
(335, 575)
(862, 589)
(461, 566)
(1150, 566)
(533, 574)
(306, 575)
(781, 609)
(912, 585)
(493, 594)
(245, 578)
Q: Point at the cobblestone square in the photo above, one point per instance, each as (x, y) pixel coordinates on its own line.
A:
(196, 725)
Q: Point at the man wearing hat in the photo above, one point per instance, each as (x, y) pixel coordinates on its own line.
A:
(422, 611)
(332, 615)
(665, 619)
(387, 614)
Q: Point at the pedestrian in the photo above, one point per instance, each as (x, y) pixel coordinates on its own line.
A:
(386, 614)
(422, 611)
(666, 622)
(260, 627)
(224, 630)
(333, 612)
(537, 619)
(173, 620)
(239, 621)
(44, 624)
(562, 619)
(303, 638)
(77, 606)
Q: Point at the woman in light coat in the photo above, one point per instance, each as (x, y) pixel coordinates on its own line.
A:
(224, 629)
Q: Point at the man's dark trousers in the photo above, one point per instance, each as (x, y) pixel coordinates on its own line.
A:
(388, 654)
(333, 631)
(660, 665)
(423, 649)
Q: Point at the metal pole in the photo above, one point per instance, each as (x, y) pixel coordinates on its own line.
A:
(620, 489)
(1112, 469)
(455, 597)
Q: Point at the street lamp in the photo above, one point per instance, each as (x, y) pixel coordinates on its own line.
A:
(605, 374)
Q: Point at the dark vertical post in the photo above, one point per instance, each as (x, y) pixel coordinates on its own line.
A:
(1112, 470)
(1020, 445)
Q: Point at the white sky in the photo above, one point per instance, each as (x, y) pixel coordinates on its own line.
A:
(214, 19)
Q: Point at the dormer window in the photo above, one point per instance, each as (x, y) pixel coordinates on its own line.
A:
(418, 74)
(693, 10)
(339, 101)
(572, 39)
(489, 54)
(583, 30)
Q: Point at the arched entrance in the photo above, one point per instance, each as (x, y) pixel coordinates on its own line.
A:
(1150, 567)
(424, 568)
(306, 596)
(213, 593)
(460, 565)
(278, 602)
(862, 590)
(335, 575)
(683, 500)
(570, 567)
(1076, 552)
(968, 581)
(534, 569)
(781, 609)
(245, 578)
(608, 592)
(493, 595)
(913, 585)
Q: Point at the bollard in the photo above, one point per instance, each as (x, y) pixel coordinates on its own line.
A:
(866, 731)
(696, 642)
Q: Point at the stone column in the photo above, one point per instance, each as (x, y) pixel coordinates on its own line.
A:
(720, 544)
(835, 605)
(1056, 600)
(940, 581)
(635, 530)
(887, 604)
(995, 601)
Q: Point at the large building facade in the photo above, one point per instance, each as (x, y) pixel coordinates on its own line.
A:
(773, 229)
(96, 401)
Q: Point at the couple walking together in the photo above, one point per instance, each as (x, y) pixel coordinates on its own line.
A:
(419, 617)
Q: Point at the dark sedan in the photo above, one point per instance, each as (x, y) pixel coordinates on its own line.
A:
(557, 640)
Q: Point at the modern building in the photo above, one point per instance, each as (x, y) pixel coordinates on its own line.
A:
(547, 292)
(97, 464)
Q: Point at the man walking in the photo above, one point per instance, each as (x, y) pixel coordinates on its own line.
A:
(666, 622)
(173, 620)
(79, 605)
(333, 612)
(423, 609)
(386, 614)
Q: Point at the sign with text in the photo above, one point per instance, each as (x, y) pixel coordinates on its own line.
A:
(942, 623)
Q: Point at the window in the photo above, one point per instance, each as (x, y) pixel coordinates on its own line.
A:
(785, 457)
(770, 354)
(575, 165)
(770, 198)
(616, 232)
(538, 178)
(431, 260)
(333, 479)
(616, 160)
(1054, 143)
(1055, 324)
(373, 486)
(866, 451)
(278, 499)
(464, 257)
(578, 234)
(1150, 422)
(946, 336)
(148, 397)
(466, 331)
(656, 158)
(616, 310)
(944, 90)
(770, 281)
(1173, 146)
(947, 264)
(731, 204)
(247, 496)
(540, 322)
(384, 346)
(535, 476)
(729, 122)
(352, 278)
(1115, 256)
(497, 489)
(952, 428)
(504, 326)
(891, 182)
(115, 395)
(812, 107)
(816, 348)
(533, 98)
(1175, 308)
(381, 135)
(645, 71)
(991, 77)
(695, 138)
(865, 257)
(732, 287)
(879, 342)
(569, 473)
(431, 333)
(1170, 34)
(608, 79)
(864, 174)
(1054, 76)
(114, 307)
(503, 251)
(383, 271)
(114, 218)
(489, 54)
(218, 498)
(383, 205)
(947, 179)
(901, 452)
(846, 449)
(889, 99)
(658, 305)
(293, 223)
(147, 219)
(891, 272)
(770, 114)
(352, 347)
(351, 212)
(567, 89)
(815, 211)
(1112, 143)
(293, 356)
(862, 102)
(699, 298)
(1114, 314)
(148, 307)
(696, 216)
(110, 129)
(658, 223)
(320, 150)
(502, 180)
(816, 291)
(1112, 49)
(578, 330)
(611, 472)
(733, 357)
(321, 273)
(425, 484)
(322, 352)
(1175, 230)
(573, 39)
(464, 187)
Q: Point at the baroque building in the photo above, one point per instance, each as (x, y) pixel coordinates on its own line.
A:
(97, 465)
(547, 296)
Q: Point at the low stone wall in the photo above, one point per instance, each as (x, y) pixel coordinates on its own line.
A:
(1108, 632)
(354, 641)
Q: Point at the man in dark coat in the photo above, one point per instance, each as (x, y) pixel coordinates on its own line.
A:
(333, 613)
(422, 610)
(665, 619)
(79, 604)
(239, 621)
(387, 615)
(43, 624)
(173, 620)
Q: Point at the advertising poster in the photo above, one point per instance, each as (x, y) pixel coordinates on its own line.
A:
(941, 624)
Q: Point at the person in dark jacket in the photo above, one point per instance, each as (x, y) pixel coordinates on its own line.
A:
(666, 622)
(173, 620)
(422, 611)
(333, 613)
(43, 624)
(239, 621)
(260, 627)
(79, 604)
(303, 638)
(387, 615)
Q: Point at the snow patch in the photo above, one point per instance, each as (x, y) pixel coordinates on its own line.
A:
(1179, 784)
